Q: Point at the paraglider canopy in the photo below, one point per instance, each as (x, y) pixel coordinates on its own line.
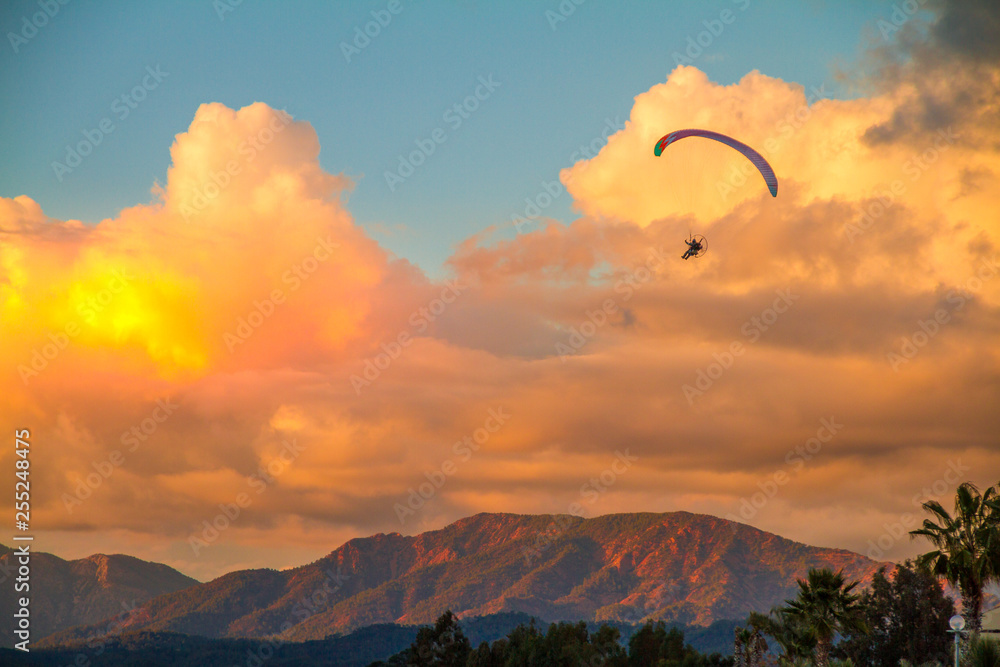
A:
(756, 158)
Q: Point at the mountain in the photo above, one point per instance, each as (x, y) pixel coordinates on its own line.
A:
(679, 567)
(68, 593)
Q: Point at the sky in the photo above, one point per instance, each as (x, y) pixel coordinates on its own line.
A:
(269, 283)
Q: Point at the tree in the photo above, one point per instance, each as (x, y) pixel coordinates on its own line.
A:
(523, 645)
(749, 647)
(607, 648)
(567, 644)
(797, 641)
(826, 606)
(907, 617)
(654, 645)
(444, 645)
(487, 656)
(967, 551)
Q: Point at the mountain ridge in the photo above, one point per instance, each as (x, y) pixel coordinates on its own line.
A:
(65, 593)
(676, 566)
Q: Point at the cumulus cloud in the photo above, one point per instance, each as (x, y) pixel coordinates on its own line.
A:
(242, 335)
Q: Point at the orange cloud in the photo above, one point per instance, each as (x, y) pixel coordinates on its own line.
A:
(207, 344)
(247, 228)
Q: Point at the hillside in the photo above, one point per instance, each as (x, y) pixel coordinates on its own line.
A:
(679, 567)
(85, 591)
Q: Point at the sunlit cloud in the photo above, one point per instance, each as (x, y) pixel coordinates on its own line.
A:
(240, 335)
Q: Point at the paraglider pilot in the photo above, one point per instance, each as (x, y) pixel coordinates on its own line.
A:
(694, 247)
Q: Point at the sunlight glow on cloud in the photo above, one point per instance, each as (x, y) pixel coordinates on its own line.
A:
(246, 296)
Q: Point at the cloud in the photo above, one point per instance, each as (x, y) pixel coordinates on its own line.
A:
(240, 334)
(943, 73)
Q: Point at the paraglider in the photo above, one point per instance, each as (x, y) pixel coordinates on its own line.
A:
(756, 158)
(697, 245)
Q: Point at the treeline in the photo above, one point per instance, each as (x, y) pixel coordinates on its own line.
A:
(145, 648)
(562, 645)
(900, 619)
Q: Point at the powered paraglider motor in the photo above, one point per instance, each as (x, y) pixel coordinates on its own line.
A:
(697, 246)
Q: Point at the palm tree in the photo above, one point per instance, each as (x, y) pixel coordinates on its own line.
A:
(826, 605)
(968, 547)
(796, 640)
(750, 647)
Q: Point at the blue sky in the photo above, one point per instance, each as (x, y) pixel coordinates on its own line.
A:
(658, 372)
(560, 83)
